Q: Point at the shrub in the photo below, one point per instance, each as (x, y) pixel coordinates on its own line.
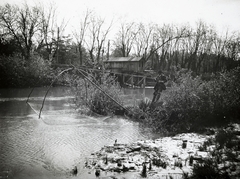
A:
(223, 97)
(144, 104)
(16, 72)
(96, 100)
(207, 169)
(192, 104)
(226, 138)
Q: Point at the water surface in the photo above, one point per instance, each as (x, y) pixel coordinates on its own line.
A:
(51, 146)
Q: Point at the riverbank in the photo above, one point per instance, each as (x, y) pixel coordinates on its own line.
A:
(166, 157)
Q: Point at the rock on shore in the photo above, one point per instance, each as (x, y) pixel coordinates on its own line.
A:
(172, 157)
(161, 158)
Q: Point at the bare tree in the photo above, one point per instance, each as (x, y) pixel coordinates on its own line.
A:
(232, 51)
(97, 37)
(125, 38)
(50, 31)
(197, 39)
(80, 34)
(220, 44)
(22, 24)
(143, 39)
(233, 47)
(163, 38)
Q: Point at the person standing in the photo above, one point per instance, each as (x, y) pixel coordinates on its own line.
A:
(159, 86)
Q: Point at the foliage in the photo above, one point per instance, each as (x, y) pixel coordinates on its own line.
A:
(144, 104)
(222, 160)
(226, 138)
(8, 47)
(22, 24)
(207, 169)
(191, 103)
(88, 95)
(15, 72)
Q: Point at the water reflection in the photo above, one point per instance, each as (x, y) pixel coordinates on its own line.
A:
(50, 147)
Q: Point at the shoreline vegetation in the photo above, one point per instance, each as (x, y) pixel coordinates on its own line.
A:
(203, 88)
(191, 105)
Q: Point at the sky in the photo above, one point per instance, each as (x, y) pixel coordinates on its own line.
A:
(223, 14)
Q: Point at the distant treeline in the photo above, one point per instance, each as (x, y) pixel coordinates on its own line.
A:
(32, 32)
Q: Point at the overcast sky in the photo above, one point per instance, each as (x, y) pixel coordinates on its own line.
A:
(223, 14)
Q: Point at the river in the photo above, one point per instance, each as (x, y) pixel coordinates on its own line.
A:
(51, 146)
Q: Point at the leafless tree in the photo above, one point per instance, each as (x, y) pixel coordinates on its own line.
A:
(22, 24)
(98, 31)
(50, 31)
(163, 38)
(196, 41)
(143, 39)
(125, 38)
(33, 27)
(80, 33)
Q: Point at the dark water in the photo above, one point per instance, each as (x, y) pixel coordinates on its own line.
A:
(51, 146)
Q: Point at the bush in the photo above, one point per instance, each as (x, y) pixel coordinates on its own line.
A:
(222, 97)
(226, 154)
(226, 138)
(96, 100)
(191, 104)
(207, 169)
(16, 72)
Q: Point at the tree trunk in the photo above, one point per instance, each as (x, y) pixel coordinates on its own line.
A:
(80, 54)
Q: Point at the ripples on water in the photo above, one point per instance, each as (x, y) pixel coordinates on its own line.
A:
(50, 147)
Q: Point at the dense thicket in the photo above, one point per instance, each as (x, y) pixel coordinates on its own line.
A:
(193, 103)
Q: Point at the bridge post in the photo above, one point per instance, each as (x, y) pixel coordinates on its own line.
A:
(144, 84)
(132, 81)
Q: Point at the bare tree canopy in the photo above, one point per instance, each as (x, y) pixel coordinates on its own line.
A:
(125, 38)
(36, 30)
(22, 24)
(97, 33)
(80, 33)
